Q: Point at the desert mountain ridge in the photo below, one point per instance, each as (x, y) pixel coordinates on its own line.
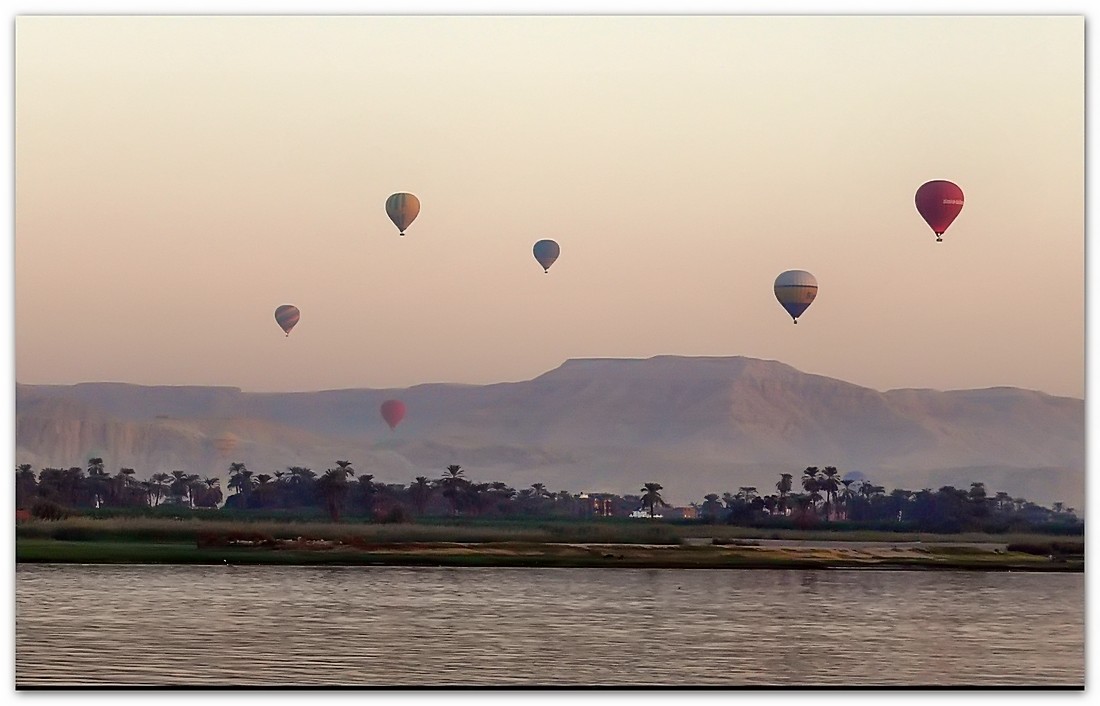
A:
(694, 424)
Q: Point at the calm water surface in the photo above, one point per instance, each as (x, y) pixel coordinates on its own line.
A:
(388, 626)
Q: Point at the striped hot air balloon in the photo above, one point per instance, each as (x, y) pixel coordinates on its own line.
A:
(939, 202)
(287, 317)
(795, 290)
(402, 209)
(546, 252)
(393, 411)
(225, 444)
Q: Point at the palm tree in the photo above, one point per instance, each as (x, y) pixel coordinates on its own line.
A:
(846, 495)
(452, 481)
(711, 507)
(539, 488)
(421, 491)
(98, 480)
(301, 485)
(651, 496)
(810, 484)
(193, 483)
(784, 488)
(178, 487)
(211, 495)
(240, 479)
(368, 489)
(334, 487)
(25, 485)
(264, 489)
(147, 489)
(475, 496)
(119, 487)
(160, 486)
(830, 485)
(900, 497)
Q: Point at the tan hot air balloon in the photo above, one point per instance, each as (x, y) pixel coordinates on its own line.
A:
(402, 209)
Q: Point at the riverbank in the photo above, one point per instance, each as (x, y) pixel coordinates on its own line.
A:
(775, 554)
(537, 544)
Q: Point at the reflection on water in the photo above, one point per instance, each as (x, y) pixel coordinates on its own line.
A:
(267, 626)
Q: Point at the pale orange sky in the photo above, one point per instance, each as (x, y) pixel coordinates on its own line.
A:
(177, 178)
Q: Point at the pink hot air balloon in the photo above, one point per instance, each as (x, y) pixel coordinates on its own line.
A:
(393, 411)
(939, 202)
(287, 317)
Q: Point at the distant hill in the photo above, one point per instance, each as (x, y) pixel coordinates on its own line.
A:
(694, 424)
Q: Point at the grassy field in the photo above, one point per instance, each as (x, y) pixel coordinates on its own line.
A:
(145, 529)
(637, 545)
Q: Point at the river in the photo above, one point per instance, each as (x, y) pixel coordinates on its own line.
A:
(268, 626)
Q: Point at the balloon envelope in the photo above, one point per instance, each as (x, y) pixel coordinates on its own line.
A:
(795, 290)
(402, 209)
(546, 251)
(225, 444)
(855, 475)
(939, 202)
(393, 411)
(287, 317)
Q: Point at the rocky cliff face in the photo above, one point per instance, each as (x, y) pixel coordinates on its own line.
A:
(696, 425)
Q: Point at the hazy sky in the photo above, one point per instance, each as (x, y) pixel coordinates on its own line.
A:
(178, 178)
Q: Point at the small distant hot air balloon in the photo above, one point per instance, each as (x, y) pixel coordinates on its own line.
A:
(402, 209)
(546, 252)
(939, 202)
(393, 411)
(225, 444)
(287, 317)
(795, 290)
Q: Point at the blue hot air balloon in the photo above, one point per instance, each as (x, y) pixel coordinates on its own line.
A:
(546, 251)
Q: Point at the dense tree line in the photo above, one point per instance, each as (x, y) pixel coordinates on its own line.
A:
(826, 498)
(818, 497)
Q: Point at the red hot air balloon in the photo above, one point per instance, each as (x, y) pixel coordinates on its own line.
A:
(939, 202)
(287, 316)
(393, 411)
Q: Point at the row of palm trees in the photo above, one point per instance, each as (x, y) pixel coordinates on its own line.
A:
(337, 491)
(71, 487)
(828, 497)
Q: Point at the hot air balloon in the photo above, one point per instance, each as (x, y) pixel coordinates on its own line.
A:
(225, 444)
(287, 317)
(393, 411)
(795, 290)
(546, 251)
(402, 209)
(855, 476)
(939, 202)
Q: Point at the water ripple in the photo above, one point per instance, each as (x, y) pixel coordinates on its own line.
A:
(388, 626)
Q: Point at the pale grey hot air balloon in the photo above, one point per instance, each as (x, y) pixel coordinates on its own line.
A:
(795, 290)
